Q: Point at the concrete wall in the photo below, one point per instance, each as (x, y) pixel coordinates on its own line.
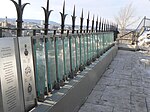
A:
(73, 95)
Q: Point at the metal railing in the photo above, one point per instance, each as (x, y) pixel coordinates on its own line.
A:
(132, 36)
(59, 55)
(58, 58)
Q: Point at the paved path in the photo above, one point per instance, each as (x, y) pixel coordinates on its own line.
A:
(124, 87)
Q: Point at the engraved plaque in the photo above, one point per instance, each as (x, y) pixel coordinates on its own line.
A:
(9, 88)
(27, 69)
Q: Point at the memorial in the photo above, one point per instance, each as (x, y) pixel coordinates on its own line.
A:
(10, 100)
(27, 69)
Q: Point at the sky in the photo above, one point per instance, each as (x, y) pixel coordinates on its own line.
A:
(107, 9)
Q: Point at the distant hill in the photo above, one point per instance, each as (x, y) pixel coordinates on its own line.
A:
(29, 20)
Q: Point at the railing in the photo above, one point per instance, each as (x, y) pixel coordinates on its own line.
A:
(128, 38)
(58, 58)
(132, 36)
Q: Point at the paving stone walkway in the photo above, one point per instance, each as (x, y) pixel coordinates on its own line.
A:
(124, 87)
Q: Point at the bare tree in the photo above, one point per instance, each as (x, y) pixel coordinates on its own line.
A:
(125, 18)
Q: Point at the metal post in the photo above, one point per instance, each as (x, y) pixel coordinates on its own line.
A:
(73, 20)
(100, 25)
(97, 37)
(47, 14)
(81, 23)
(107, 25)
(87, 27)
(93, 24)
(71, 75)
(93, 59)
(104, 26)
(19, 9)
(144, 21)
(102, 29)
(96, 24)
(63, 17)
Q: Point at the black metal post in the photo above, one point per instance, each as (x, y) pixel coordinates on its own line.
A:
(81, 23)
(104, 25)
(97, 38)
(19, 9)
(102, 29)
(100, 25)
(71, 75)
(87, 30)
(63, 17)
(96, 24)
(93, 59)
(93, 24)
(108, 26)
(47, 14)
(87, 27)
(73, 20)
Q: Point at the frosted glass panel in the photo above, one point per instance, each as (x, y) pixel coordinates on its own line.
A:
(59, 56)
(50, 52)
(40, 65)
(67, 56)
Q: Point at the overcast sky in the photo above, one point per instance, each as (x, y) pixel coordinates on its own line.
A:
(103, 8)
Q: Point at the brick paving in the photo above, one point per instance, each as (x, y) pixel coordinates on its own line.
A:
(124, 87)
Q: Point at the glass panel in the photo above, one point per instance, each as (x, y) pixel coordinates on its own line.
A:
(77, 51)
(59, 56)
(96, 45)
(40, 65)
(50, 52)
(73, 53)
(82, 49)
(111, 37)
(67, 56)
(85, 49)
(89, 47)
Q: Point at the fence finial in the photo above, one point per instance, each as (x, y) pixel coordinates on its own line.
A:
(93, 24)
(96, 24)
(87, 27)
(47, 14)
(19, 8)
(63, 17)
(73, 20)
(81, 23)
(100, 24)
